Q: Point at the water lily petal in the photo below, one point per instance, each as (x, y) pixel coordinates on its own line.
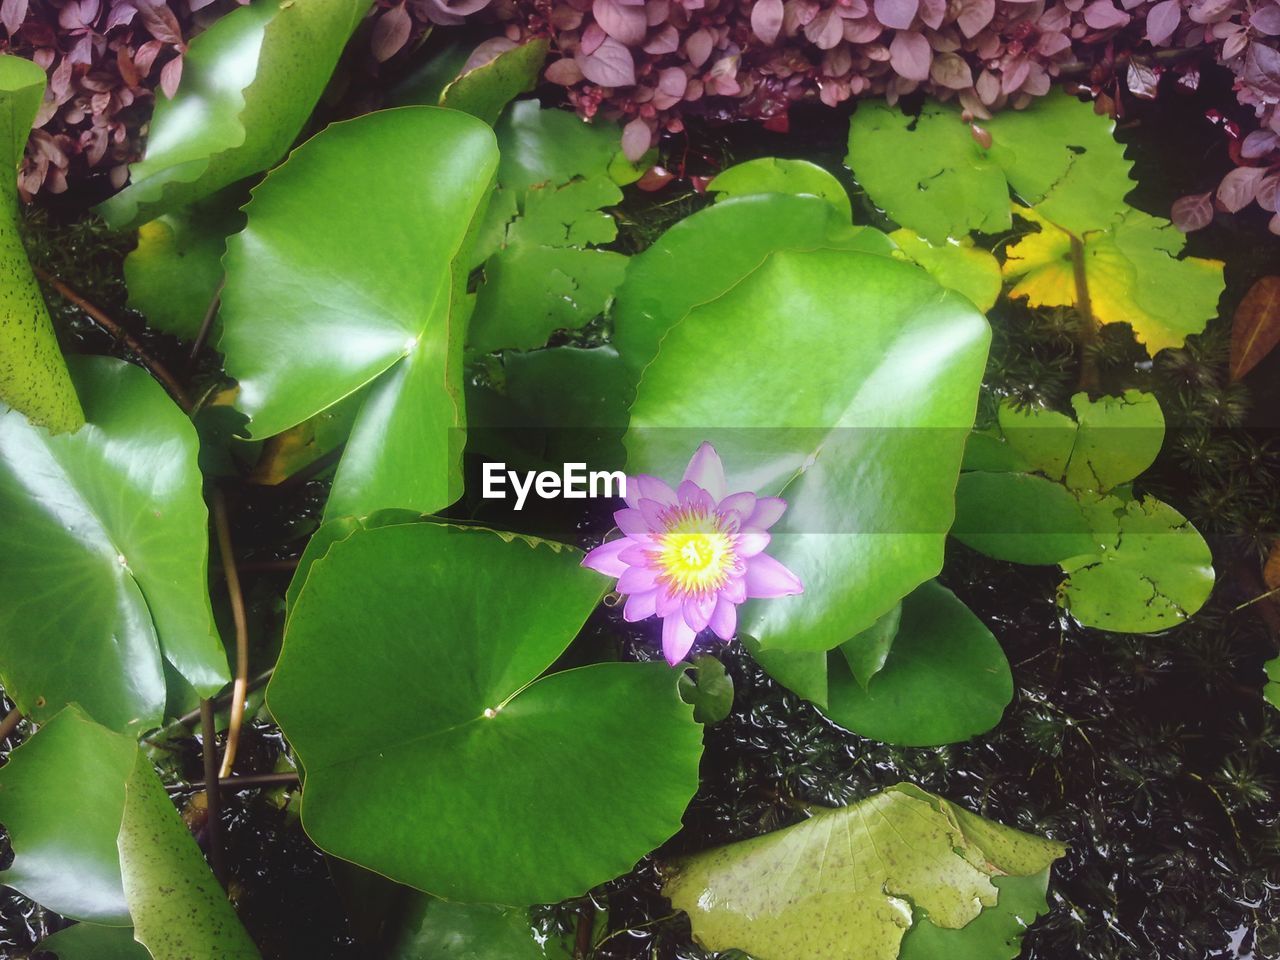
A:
(639, 606)
(766, 577)
(735, 588)
(637, 554)
(677, 638)
(698, 610)
(641, 579)
(706, 470)
(652, 512)
(693, 496)
(739, 504)
(668, 602)
(606, 558)
(631, 522)
(751, 543)
(768, 511)
(646, 487)
(724, 619)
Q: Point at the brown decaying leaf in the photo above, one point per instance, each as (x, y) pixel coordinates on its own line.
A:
(1256, 328)
(1271, 570)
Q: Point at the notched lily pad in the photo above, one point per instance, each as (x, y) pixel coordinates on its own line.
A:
(842, 885)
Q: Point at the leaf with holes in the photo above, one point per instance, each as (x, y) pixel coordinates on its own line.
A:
(1132, 271)
(848, 883)
(464, 755)
(106, 550)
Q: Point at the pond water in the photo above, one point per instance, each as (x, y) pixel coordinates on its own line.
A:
(1153, 757)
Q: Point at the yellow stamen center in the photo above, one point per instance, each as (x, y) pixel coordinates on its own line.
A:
(693, 555)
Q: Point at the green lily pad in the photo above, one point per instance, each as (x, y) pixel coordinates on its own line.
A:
(175, 271)
(859, 426)
(995, 934)
(842, 885)
(461, 758)
(1271, 689)
(709, 688)
(96, 837)
(64, 835)
(776, 175)
(485, 90)
(956, 264)
(1021, 518)
(320, 300)
(249, 82)
(179, 910)
(705, 255)
(930, 173)
(89, 941)
(106, 535)
(33, 376)
(1153, 571)
(867, 652)
(945, 679)
(551, 146)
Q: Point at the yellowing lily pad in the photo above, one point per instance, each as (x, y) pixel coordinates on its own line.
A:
(842, 885)
(1131, 271)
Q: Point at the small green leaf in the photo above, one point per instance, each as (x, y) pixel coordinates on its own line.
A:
(486, 89)
(249, 82)
(551, 146)
(89, 941)
(106, 534)
(842, 885)
(1119, 437)
(1021, 518)
(956, 264)
(1271, 689)
(709, 689)
(461, 757)
(1041, 440)
(867, 652)
(176, 270)
(33, 376)
(945, 680)
(776, 175)
(61, 800)
(1153, 572)
(179, 911)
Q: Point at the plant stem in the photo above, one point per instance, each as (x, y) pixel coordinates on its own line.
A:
(1088, 323)
(240, 783)
(241, 688)
(158, 369)
(209, 749)
(207, 323)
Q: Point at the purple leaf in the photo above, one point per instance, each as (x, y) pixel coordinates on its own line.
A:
(390, 33)
(910, 55)
(611, 65)
(976, 14)
(933, 12)
(698, 47)
(1239, 187)
(626, 24)
(1235, 43)
(1262, 70)
(1266, 20)
(592, 37)
(673, 81)
(565, 72)
(826, 29)
(1210, 11)
(1193, 212)
(1103, 15)
(896, 13)
(1163, 20)
(766, 20)
(159, 20)
(952, 71)
(636, 137)
(1142, 80)
(171, 76)
(1267, 191)
(666, 40)
(12, 13)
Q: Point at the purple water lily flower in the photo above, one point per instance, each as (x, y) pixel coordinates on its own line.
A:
(692, 554)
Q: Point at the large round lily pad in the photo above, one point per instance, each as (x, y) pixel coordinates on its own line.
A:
(857, 415)
(458, 771)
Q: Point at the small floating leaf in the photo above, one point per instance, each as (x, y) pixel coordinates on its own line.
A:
(777, 175)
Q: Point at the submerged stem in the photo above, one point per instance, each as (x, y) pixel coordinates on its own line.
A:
(241, 688)
(209, 738)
